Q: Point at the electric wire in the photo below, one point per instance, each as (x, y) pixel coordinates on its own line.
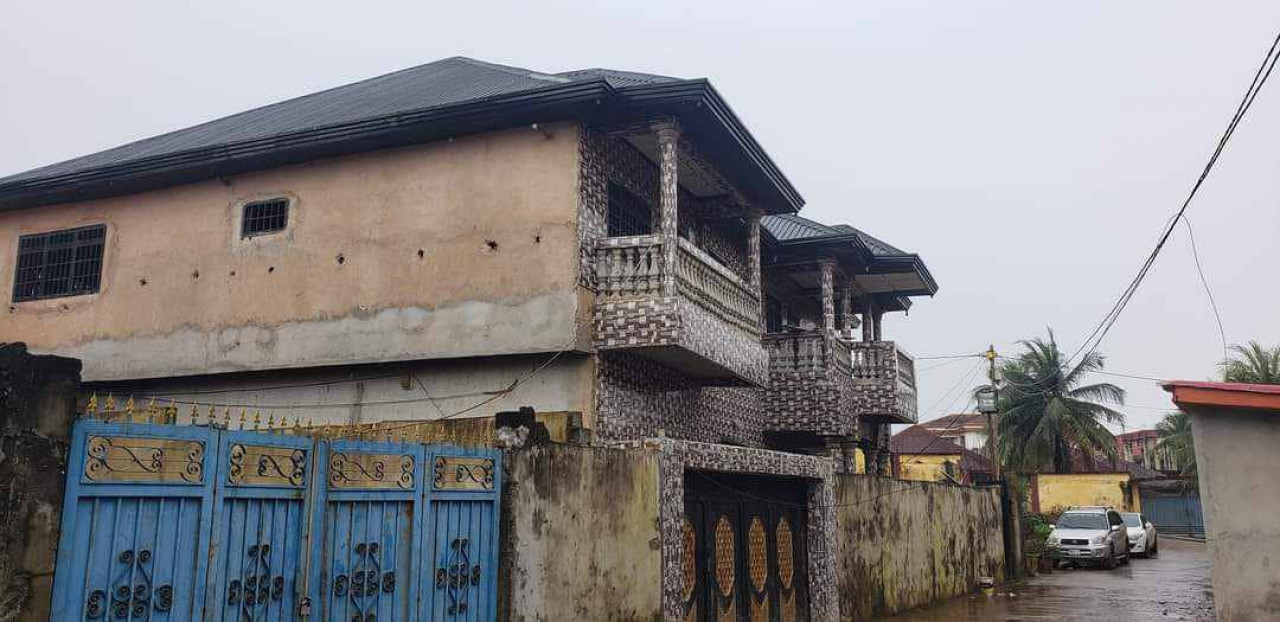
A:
(1213, 304)
(1095, 338)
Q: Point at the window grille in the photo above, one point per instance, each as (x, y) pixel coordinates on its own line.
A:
(59, 263)
(262, 217)
(628, 214)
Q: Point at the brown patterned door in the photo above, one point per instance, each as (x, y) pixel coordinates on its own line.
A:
(724, 551)
(744, 547)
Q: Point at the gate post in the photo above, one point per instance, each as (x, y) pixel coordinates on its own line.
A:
(35, 426)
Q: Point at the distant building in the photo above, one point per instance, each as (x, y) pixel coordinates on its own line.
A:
(968, 430)
(1097, 481)
(922, 455)
(1142, 446)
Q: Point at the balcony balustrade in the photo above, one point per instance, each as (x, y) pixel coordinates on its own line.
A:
(884, 380)
(697, 316)
(810, 384)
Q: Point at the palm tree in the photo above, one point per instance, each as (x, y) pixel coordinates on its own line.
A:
(1047, 412)
(1253, 364)
(1175, 437)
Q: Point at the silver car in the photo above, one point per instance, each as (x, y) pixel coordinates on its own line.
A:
(1090, 535)
(1142, 534)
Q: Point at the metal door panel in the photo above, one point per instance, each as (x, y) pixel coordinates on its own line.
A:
(372, 497)
(137, 523)
(460, 575)
(259, 526)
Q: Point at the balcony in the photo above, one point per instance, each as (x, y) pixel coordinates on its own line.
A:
(696, 316)
(810, 384)
(884, 380)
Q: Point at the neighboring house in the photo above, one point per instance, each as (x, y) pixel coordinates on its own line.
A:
(1100, 481)
(462, 238)
(920, 454)
(1236, 428)
(1142, 446)
(968, 430)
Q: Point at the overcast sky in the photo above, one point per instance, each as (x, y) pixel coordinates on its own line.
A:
(1030, 151)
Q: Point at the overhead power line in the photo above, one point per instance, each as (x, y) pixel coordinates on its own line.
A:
(1091, 343)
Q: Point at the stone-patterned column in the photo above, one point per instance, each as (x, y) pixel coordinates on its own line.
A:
(879, 319)
(668, 200)
(868, 321)
(753, 257)
(828, 296)
(846, 310)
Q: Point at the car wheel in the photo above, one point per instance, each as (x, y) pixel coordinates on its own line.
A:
(1110, 562)
(1128, 553)
(1155, 548)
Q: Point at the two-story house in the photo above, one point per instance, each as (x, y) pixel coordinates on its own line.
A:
(463, 238)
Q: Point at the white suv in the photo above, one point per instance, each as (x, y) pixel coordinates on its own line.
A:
(1090, 535)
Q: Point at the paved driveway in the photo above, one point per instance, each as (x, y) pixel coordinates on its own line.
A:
(1173, 586)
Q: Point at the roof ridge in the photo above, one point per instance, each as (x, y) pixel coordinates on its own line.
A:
(511, 69)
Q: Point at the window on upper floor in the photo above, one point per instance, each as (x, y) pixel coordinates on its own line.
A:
(628, 213)
(263, 217)
(59, 263)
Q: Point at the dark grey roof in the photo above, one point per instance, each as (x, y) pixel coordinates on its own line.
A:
(616, 78)
(790, 227)
(878, 247)
(440, 83)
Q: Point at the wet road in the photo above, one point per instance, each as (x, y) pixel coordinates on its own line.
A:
(1173, 586)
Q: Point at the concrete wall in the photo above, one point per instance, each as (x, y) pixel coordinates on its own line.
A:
(455, 248)
(1239, 475)
(907, 544)
(1054, 492)
(37, 407)
(355, 394)
(580, 535)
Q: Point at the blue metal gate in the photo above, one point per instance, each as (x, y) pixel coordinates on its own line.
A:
(199, 523)
(1180, 514)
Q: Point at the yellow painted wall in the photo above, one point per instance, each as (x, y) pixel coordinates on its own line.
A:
(927, 468)
(1060, 491)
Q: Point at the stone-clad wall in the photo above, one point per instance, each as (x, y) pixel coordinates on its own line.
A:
(811, 401)
(639, 398)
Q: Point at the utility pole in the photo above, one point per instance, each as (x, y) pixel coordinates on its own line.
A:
(993, 419)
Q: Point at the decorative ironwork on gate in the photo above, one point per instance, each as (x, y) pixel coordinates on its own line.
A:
(201, 522)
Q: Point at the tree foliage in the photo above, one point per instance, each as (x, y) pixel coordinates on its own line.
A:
(1048, 412)
(1252, 364)
(1175, 437)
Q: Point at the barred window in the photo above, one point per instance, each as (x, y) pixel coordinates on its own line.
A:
(628, 213)
(261, 217)
(59, 263)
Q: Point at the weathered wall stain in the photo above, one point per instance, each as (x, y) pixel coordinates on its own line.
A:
(580, 535)
(906, 544)
(37, 406)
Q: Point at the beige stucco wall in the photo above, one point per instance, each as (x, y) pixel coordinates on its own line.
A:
(1240, 488)
(495, 217)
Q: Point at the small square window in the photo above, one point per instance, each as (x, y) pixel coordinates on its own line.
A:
(262, 217)
(59, 263)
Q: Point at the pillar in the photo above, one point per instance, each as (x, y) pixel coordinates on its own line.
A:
(828, 296)
(753, 257)
(879, 319)
(846, 310)
(868, 321)
(668, 200)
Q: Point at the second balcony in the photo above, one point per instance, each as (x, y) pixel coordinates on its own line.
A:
(679, 307)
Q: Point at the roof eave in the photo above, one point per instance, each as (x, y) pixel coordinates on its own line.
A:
(551, 103)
